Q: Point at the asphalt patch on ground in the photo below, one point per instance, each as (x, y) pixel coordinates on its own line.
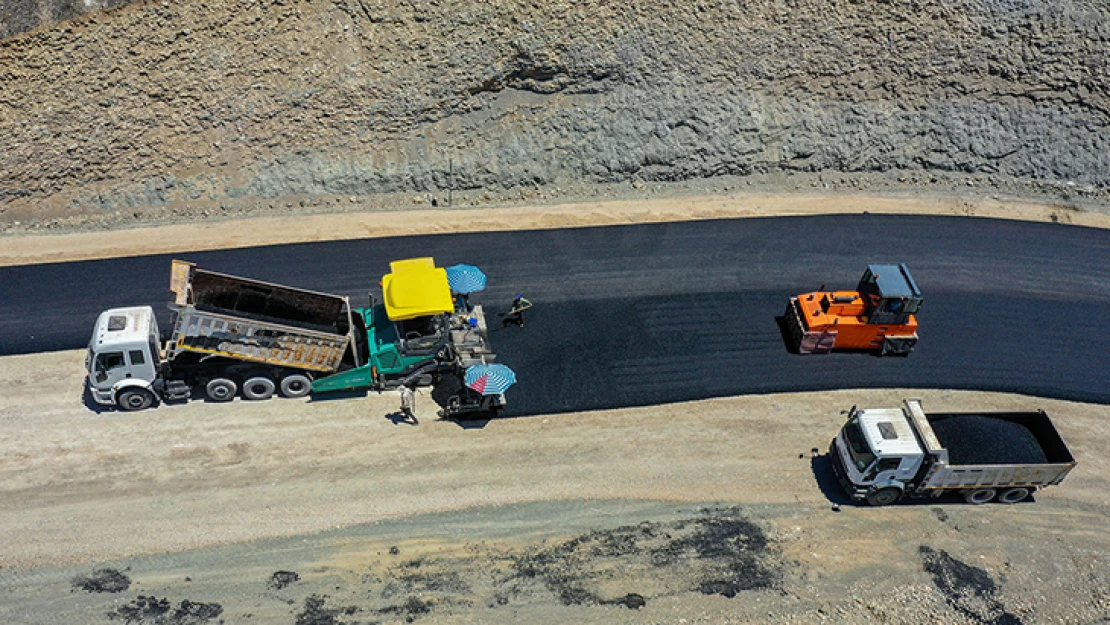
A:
(102, 580)
(148, 610)
(718, 553)
(316, 612)
(970, 590)
(281, 579)
(712, 551)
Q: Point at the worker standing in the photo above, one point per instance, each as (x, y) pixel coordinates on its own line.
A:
(408, 404)
(516, 312)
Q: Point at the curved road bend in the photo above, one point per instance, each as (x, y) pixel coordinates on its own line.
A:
(648, 314)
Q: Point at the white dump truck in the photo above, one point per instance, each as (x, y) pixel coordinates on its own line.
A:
(888, 454)
(229, 333)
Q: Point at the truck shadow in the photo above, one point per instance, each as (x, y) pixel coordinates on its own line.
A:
(826, 481)
(90, 403)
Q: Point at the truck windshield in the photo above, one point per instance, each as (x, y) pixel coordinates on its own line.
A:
(857, 444)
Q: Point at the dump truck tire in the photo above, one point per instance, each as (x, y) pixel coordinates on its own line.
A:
(1013, 495)
(135, 399)
(221, 389)
(884, 496)
(258, 388)
(979, 496)
(296, 385)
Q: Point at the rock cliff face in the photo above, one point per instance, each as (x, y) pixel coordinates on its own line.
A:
(158, 103)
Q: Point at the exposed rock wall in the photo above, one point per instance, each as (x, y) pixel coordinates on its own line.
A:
(162, 102)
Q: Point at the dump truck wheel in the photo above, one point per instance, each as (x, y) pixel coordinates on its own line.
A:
(296, 385)
(259, 387)
(221, 389)
(884, 496)
(1013, 495)
(979, 496)
(135, 399)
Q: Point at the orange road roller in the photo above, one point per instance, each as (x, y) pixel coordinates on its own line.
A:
(878, 316)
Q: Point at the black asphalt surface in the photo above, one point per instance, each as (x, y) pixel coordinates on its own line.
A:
(647, 314)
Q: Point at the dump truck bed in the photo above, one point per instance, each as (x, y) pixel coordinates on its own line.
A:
(998, 450)
(256, 321)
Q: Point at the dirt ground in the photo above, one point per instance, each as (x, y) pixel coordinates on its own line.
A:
(710, 511)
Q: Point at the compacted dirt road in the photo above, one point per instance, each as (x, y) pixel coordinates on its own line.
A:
(710, 511)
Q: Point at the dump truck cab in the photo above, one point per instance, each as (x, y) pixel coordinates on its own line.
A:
(877, 452)
(123, 358)
(879, 315)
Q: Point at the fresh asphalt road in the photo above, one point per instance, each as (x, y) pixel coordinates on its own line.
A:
(647, 314)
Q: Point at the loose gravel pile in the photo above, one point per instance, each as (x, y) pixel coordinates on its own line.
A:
(976, 439)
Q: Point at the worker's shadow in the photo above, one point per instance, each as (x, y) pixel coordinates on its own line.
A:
(397, 418)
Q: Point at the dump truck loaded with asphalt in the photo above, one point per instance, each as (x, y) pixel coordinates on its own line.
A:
(887, 454)
(231, 334)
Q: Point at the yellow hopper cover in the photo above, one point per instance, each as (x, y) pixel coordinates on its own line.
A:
(416, 288)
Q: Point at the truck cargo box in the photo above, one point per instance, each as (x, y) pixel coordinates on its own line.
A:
(257, 321)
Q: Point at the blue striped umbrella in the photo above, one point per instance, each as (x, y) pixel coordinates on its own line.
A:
(465, 278)
(490, 379)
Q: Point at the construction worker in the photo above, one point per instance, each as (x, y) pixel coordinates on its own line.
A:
(408, 404)
(516, 312)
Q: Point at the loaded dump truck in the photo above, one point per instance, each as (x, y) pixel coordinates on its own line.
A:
(233, 334)
(888, 454)
(879, 315)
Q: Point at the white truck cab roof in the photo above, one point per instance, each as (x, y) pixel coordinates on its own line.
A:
(888, 433)
(120, 326)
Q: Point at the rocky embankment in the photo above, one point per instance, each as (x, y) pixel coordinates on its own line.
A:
(160, 105)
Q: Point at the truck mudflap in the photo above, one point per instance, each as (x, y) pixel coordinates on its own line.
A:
(806, 341)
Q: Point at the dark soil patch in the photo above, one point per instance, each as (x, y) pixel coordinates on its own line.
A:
(146, 610)
(969, 590)
(632, 601)
(719, 552)
(315, 612)
(410, 608)
(281, 579)
(102, 580)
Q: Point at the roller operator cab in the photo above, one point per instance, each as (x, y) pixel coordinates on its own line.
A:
(880, 315)
(124, 359)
